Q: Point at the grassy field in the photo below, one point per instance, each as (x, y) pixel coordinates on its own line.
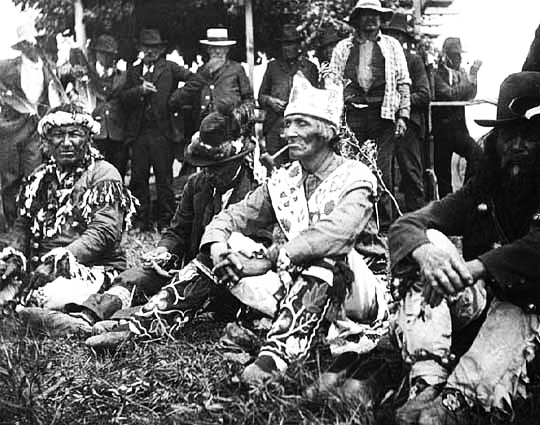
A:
(189, 381)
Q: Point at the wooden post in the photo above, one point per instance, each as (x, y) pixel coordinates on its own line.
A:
(80, 30)
(250, 52)
(417, 4)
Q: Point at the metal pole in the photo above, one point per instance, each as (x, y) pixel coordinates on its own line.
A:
(250, 52)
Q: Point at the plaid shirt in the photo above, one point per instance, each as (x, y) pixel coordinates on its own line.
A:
(396, 97)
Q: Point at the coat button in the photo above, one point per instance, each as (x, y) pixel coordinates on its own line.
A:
(531, 308)
(35, 259)
(107, 112)
(35, 245)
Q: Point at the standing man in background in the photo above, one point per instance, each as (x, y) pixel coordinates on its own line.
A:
(276, 87)
(150, 131)
(450, 132)
(373, 70)
(27, 89)
(409, 147)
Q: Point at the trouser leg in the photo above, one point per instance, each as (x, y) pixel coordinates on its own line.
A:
(408, 156)
(299, 317)
(442, 152)
(493, 371)
(162, 154)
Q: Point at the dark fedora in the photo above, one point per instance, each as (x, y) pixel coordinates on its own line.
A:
(150, 37)
(452, 45)
(106, 43)
(519, 100)
(289, 34)
(218, 142)
(400, 23)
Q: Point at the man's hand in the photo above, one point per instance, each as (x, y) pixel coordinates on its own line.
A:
(444, 273)
(230, 266)
(401, 127)
(9, 269)
(276, 104)
(42, 275)
(148, 87)
(476, 67)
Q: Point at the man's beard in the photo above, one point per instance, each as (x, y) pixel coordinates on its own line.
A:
(520, 177)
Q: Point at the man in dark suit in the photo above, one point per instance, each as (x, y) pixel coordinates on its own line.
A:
(25, 94)
(469, 322)
(149, 127)
(408, 149)
(276, 86)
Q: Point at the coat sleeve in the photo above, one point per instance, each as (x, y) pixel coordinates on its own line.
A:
(420, 93)
(177, 236)
(463, 90)
(265, 89)
(106, 225)
(132, 94)
(446, 215)
(246, 91)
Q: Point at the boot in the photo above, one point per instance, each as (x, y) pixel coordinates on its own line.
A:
(421, 395)
(55, 323)
(449, 408)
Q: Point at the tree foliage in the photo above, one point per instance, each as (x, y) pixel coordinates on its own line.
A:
(184, 22)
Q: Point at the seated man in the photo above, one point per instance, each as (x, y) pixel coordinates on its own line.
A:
(482, 308)
(72, 211)
(227, 176)
(322, 204)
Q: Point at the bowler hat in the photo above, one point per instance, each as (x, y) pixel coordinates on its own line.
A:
(400, 23)
(106, 43)
(289, 34)
(217, 37)
(150, 37)
(452, 45)
(370, 5)
(519, 99)
(218, 141)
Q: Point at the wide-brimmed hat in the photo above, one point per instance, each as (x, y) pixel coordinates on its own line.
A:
(218, 141)
(401, 23)
(452, 45)
(217, 37)
(375, 5)
(289, 34)
(151, 37)
(25, 33)
(519, 100)
(325, 104)
(106, 43)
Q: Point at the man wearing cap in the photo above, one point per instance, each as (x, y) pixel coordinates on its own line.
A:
(72, 211)
(321, 205)
(224, 78)
(149, 129)
(27, 86)
(276, 86)
(408, 148)
(373, 69)
(328, 39)
(450, 133)
(470, 323)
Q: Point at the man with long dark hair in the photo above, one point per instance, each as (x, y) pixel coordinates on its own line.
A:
(470, 321)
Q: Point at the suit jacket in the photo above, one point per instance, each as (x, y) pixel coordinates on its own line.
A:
(197, 207)
(277, 82)
(11, 93)
(504, 238)
(153, 108)
(420, 93)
